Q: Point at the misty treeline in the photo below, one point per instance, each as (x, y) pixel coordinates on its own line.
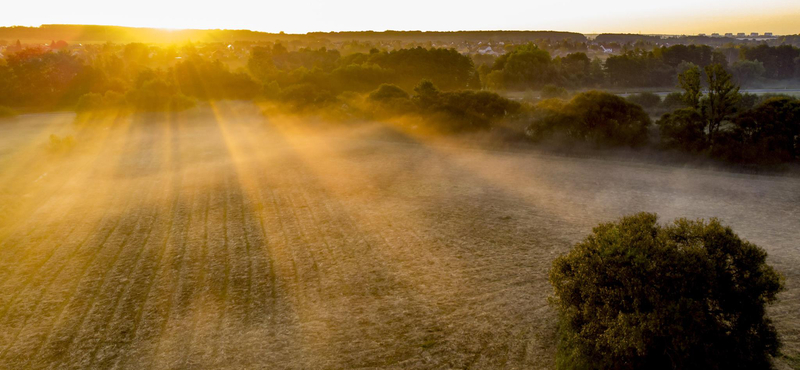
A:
(440, 88)
(530, 67)
(709, 118)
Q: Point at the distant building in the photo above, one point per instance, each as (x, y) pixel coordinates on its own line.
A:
(768, 34)
(728, 34)
(754, 34)
(487, 50)
(740, 34)
(715, 35)
(701, 34)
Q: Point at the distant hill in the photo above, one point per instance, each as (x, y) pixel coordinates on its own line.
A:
(101, 34)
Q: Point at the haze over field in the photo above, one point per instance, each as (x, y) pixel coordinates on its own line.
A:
(221, 239)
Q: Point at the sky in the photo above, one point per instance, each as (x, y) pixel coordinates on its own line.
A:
(300, 16)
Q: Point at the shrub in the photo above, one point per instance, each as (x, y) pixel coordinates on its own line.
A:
(688, 295)
(673, 100)
(307, 96)
(462, 110)
(766, 134)
(594, 117)
(157, 95)
(387, 92)
(683, 129)
(98, 102)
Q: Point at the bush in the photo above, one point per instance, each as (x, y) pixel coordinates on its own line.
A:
(387, 92)
(766, 134)
(683, 129)
(462, 110)
(157, 95)
(673, 100)
(307, 96)
(688, 295)
(594, 117)
(98, 102)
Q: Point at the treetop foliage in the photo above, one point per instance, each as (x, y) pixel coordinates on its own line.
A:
(593, 117)
(687, 295)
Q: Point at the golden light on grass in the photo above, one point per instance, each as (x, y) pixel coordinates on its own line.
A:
(218, 237)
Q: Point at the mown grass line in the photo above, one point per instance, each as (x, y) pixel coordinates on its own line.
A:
(140, 193)
(178, 329)
(263, 277)
(94, 327)
(62, 237)
(171, 271)
(269, 253)
(240, 273)
(197, 294)
(29, 276)
(301, 243)
(60, 267)
(209, 334)
(35, 223)
(94, 295)
(175, 205)
(52, 277)
(70, 293)
(285, 236)
(74, 325)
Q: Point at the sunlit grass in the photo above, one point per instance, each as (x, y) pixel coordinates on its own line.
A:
(218, 237)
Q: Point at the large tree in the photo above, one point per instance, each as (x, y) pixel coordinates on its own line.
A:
(687, 295)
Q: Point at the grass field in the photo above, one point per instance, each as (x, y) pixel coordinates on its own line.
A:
(219, 239)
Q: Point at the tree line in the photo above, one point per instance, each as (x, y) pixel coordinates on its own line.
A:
(710, 117)
(530, 67)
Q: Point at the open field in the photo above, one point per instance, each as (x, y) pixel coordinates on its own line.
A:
(218, 239)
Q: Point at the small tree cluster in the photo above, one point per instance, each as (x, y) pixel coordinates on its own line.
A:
(727, 125)
(593, 117)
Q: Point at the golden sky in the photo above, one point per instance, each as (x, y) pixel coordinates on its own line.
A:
(300, 16)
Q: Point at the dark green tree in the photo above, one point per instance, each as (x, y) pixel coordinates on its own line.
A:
(723, 97)
(692, 84)
(593, 117)
(766, 134)
(527, 66)
(688, 295)
(683, 129)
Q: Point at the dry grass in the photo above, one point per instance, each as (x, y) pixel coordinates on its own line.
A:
(219, 240)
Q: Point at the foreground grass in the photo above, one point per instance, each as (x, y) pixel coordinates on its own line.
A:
(221, 240)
